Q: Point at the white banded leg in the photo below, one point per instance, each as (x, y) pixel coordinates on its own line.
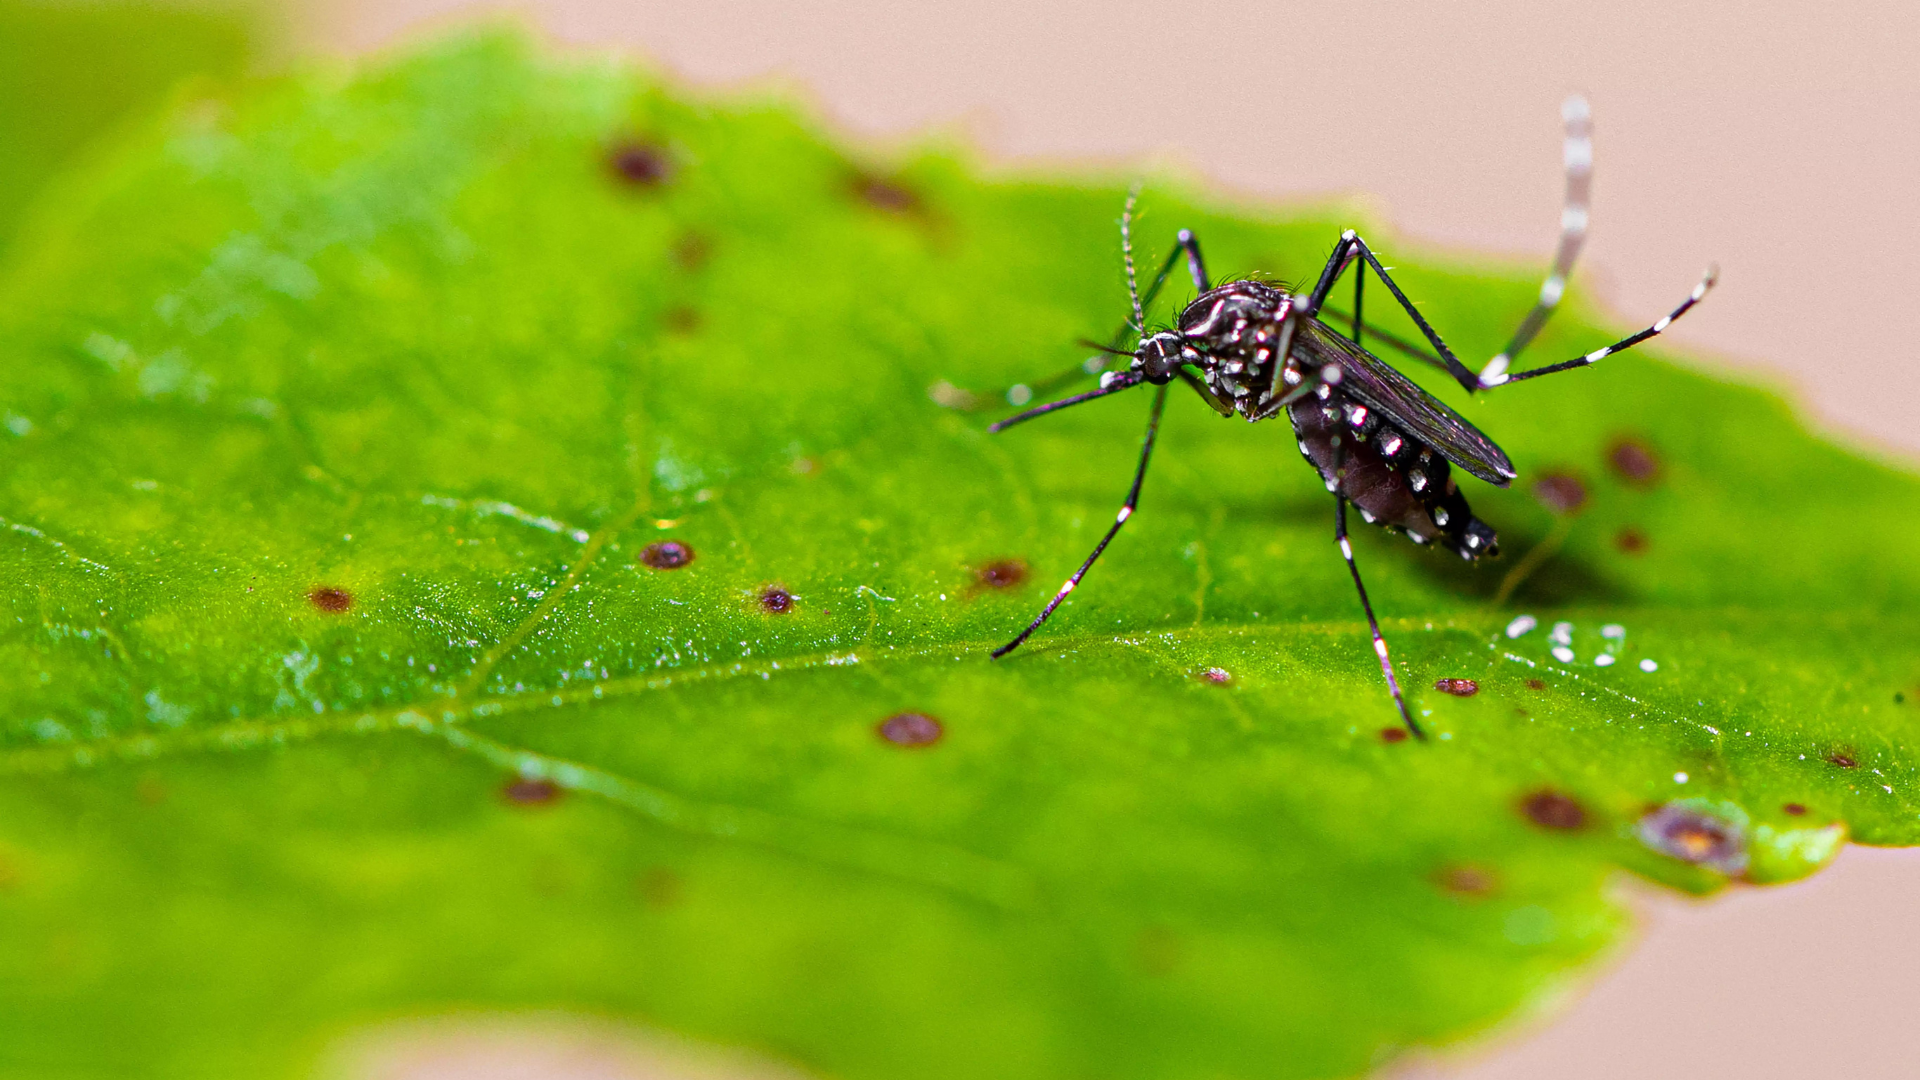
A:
(1577, 154)
(1366, 605)
(1706, 282)
(1126, 511)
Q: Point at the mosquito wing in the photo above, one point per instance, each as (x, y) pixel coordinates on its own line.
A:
(1401, 401)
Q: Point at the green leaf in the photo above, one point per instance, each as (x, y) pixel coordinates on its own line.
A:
(69, 72)
(335, 683)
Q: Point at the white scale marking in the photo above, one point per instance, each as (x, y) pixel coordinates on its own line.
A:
(1552, 289)
(1598, 354)
(1346, 549)
(1521, 625)
(1661, 326)
(1649, 665)
(1125, 513)
(1380, 646)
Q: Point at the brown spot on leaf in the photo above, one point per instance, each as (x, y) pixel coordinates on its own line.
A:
(640, 163)
(1457, 687)
(1157, 950)
(1552, 809)
(1695, 836)
(658, 886)
(530, 791)
(1536, 684)
(1795, 809)
(1002, 574)
(150, 790)
(1468, 880)
(1633, 461)
(1217, 676)
(330, 599)
(1561, 492)
(1630, 540)
(681, 319)
(1393, 734)
(666, 555)
(1844, 759)
(775, 600)
(691, 251)
(883, 194)
(911, 729)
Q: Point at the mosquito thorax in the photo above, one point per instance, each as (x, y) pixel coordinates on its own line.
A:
(1236, 328)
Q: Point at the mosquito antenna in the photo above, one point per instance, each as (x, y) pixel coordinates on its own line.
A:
(1126, 249)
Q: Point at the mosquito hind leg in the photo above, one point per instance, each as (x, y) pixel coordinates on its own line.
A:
(1700, 290)
(1575, 211)
(1126, 511)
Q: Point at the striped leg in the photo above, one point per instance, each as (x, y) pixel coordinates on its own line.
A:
(1379, 643)
(1126, 511)
(1628, 342)
(1577, 153)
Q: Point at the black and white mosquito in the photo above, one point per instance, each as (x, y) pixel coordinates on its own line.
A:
(1379, 441)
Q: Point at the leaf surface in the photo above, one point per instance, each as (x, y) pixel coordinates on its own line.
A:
(340, 678)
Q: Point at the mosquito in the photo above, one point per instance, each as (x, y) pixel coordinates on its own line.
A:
(1380, 442)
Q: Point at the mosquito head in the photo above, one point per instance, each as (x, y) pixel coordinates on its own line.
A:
(1159, 357)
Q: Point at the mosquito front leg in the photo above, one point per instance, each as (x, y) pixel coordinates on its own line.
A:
(1126, 511)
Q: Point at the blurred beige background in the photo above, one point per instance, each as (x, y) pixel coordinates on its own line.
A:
(1781, 140)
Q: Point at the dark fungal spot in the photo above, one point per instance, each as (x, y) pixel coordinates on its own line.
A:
(1843, 758)
(666, 555)
(1630, 540)
(640, 163)
(1633, 461)
(1217, 676)
(330, 599)
(1899, 698)
(658, 886)
(1552, 809)
(1457, 687)
(1536, 684)
(775, 600)
(681, 319)
(911, 729)
(1695, 836)
(1002, 574)
(1393, 734)
(1560, 492)
(691, 251)
(883, 194)
(530, 791)
(1795, 809)
(1467, 880)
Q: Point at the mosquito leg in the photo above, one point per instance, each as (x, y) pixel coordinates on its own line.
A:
(1359, 294)
(1351, 245)
(1577, 154)
(1379, 643)
(953, 397)
(1126, 511)
(1628, 342)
